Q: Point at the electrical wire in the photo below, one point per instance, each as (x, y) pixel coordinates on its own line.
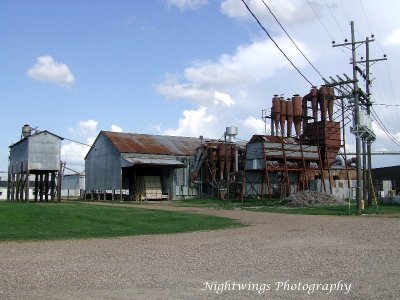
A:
(334, 18)
(383, 127)
(366, 18)
(325, 28)
(387, 105)
(77, 142)
(320, 21)
(276, 44)
(294, 43)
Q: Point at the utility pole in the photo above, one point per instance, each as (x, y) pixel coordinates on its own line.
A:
(366, 76)
(362, 131)
(357, 119)
(355, 130)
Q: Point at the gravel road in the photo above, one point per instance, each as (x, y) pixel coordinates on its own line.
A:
(276, 257)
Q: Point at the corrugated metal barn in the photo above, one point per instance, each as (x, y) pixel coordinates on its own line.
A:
(35, 154)
(140, 166)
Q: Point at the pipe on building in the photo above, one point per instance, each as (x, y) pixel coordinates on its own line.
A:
(323, 101)
(297, 113)
(331, 99)
(314, 103)
(289, 112)
(276, 112)
(283, 115)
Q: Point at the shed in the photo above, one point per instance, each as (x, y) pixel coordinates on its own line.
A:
(73, 185)
(140, 166)
(35, 154)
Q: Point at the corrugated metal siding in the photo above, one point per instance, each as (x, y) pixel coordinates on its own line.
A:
(153, 144)
(42, 151)
(103, 166)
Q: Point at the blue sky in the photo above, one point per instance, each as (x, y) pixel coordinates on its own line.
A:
(178, 67)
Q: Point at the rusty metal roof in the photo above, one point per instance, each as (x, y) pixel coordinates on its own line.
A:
(153, 144)
(272, 139)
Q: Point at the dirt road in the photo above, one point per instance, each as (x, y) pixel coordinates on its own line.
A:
(276, 257)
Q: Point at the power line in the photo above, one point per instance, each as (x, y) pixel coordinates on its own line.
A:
(334, 18)
(276, 44)
(387, 105)
(294, 43)
(383, 127)
(77, 142)
(320, 21)
(366, 18)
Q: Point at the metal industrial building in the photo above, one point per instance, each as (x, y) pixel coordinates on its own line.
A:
(283, 163)
(391, 174)
(140, 166)
(73, 185)
(36, 154)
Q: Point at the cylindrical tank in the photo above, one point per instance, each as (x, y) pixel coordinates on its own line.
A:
(222, 159)
(26, 131)
(331, 99)
(283, 116)
(289, 113)
(297, 113)
(276, 109)
(314, 102)
(323, 101)
(232, 130)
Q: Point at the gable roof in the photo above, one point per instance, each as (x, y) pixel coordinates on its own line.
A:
(36, 134)
(152, 144)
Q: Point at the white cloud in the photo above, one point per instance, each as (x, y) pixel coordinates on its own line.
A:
(183, 5)
(287, 11)
(228, 89)
(47, 69)
(223, 98)
(253, 63)
(256, 125)
(75, 153)
(156, 127)
(85, 128)
(214, 74)
(194, 123)
(115, 128)
(393, 39)
(187, 91)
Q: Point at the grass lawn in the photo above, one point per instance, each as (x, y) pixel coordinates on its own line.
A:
(276, 206)
(51, 221)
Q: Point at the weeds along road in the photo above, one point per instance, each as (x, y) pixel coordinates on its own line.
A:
(276, 256)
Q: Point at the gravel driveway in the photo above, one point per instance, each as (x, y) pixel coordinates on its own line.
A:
(276, 257)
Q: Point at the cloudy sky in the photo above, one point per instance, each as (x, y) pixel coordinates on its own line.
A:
(180, 67)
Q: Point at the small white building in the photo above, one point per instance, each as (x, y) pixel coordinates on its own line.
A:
(73, 185)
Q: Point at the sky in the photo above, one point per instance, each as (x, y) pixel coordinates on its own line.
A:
(181, 67)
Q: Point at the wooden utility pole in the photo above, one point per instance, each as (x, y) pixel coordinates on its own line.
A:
(362, 131)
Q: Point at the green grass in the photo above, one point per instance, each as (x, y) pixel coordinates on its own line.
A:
(276, 206)
(226, 204)
(52, 221)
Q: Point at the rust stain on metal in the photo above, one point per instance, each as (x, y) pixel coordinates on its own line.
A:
(153, 144)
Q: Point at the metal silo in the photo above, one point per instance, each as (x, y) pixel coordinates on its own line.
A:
(36, 154)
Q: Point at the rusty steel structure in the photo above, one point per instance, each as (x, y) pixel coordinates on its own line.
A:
(286, 161)
(218, 168)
